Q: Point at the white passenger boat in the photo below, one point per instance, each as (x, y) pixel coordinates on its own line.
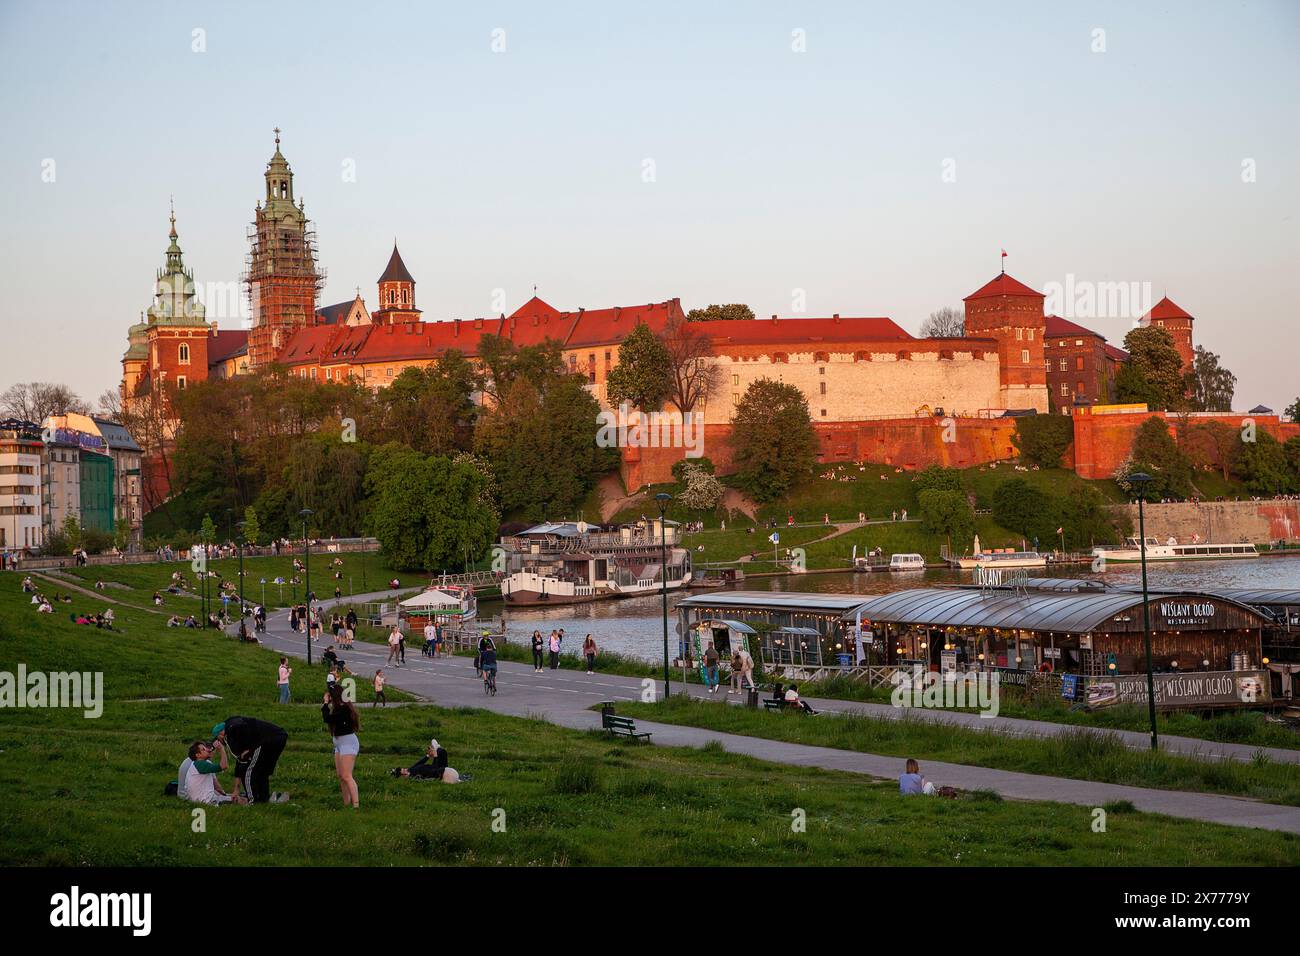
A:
(1174, 550)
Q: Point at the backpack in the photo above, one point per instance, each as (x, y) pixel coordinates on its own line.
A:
(171, 789)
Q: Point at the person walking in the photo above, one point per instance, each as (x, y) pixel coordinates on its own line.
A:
(430, 638)
(401, 648)
(555, 649)
(589, 651)
(539, 649)
(711, 668)
(343, 721)
(394, 640)
(283, 683)
(747, 669)
(737, 668)
(380, 681)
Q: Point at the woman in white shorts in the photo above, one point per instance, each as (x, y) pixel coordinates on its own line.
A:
(343, 721)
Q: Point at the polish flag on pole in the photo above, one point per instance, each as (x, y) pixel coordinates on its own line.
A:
(1004, 261)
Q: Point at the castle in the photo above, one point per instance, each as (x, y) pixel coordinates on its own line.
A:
(875, 392)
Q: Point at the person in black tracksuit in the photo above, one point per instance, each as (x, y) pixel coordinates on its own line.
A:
(257, 745)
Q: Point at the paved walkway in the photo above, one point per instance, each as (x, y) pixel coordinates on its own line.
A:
(564, 697)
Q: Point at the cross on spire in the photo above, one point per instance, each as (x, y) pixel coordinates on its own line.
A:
(277, 136)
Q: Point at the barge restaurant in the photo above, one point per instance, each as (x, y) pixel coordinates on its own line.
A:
(1094, 631)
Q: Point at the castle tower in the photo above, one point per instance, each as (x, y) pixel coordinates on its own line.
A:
(282, 276)
(1167, 315)
(1011, 312)
(396, 293)
(168, 348)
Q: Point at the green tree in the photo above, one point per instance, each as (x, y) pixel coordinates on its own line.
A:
(1292, 411)
(1264, 466)
(946, 512)
(72, 532)
(1215, 444)
(643, 375)
(1153, 372)
(1208, 385)
(1155, 453)
(1043, 439)
(122, 536)
(1020, 507)
(541, 445)
(1085, 519)
(773, 439)
(208, 529)
(427, 511)
(938, 478)
(252, 530)
(734, 312)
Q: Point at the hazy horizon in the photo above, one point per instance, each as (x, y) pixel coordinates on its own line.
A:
(855, 159)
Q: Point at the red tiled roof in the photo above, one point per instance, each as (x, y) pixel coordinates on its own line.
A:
(1059, 326)
(226, 344)
(1166, 309)
(332, 314)
(1116, 354)
(425, 340)
(1002, 285)
(536, 321)
(775, 330)
(307, 346)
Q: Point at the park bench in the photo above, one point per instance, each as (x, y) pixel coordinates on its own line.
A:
(619, 726)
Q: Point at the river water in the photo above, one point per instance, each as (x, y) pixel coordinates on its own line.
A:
(634, 626)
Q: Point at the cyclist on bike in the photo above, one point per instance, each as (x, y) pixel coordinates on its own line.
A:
(487, 654)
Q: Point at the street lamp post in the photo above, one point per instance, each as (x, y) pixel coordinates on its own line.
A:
(239, 545)
(663, 498)
(306, 565)
(1139, 482)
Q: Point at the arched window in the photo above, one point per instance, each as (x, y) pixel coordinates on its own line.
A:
(945, 354)
(821, 356)
(904, 356)
(780, 357)
(184, 354)
(862, 356)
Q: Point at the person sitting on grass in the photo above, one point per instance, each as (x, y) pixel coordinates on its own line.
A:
(174, 621)
(792, 700)
(911, 783)
(432, 766)
(201, 784)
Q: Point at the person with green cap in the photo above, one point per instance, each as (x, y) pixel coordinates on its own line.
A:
(257, 745)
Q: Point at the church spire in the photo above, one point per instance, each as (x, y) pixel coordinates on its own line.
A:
(175, 262)
(279, 179)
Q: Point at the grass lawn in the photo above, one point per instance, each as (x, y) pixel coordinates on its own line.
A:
(1236, 727)
(89, 792)
(1081, 756)
(362, 572)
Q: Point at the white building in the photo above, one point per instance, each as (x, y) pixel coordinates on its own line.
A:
(20, 486)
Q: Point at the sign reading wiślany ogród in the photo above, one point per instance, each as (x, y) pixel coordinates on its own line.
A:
(1182, 690)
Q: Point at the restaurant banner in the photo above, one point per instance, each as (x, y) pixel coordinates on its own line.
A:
(1201, 689)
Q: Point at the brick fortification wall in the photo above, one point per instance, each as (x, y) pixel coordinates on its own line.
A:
(911, 443)
(1222, 522)
(1102, 440)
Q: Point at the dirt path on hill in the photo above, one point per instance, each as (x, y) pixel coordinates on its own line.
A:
(90, 592)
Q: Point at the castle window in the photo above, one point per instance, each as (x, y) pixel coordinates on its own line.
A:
(1078, 387)
(823, 413)
(406, 296)
(1065, 389)
(821, 357)
(1030, 334)
(184, 354)
(904, 356)
(1024, 356)
(180, 382)
(735, 398)
(390, 373)
(1062, 365)
(977, 354)
(735, 380)
(823, 385)
(780, 357)
(1078, 341)
(1078, 363)
(862, 356)
(945, 354)
(1020, 334)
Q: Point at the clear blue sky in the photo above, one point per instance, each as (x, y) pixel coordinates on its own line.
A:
(774, 170)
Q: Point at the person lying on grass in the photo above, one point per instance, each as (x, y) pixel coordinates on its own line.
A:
(432, 766)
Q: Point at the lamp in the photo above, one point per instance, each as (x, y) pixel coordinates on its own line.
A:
(663, 498)
(306, 563)
(1138, 482)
